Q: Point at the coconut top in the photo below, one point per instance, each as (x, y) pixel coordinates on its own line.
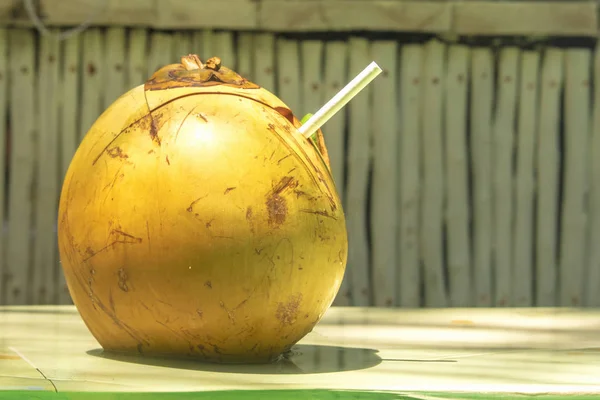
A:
(192, 72)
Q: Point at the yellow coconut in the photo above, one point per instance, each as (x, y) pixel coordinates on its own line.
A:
(195, 220)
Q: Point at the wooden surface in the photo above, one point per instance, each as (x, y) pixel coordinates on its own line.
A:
(433, 194)
(457, 179)
(384, 181)
(482, 72)
(472, 351)
(4, 98)
(548, 177)
(115, 50)
(358, 164)
(562, 18)
(68, 132)
(45, 252)
(136, 66)
(593, 264)
(523, 246)
(469, 176)
(22, 101)
(288, 81)
(503, 137)
(93, 71)
(334, 78)
(409, 195)
(573, 249)
(264, 66)
(568, 18)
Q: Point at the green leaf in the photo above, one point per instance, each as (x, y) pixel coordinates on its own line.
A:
(313, 137)
(305, 118)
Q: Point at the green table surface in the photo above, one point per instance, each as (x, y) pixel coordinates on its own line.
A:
(46, 352)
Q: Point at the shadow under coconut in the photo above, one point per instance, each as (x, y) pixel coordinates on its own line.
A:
(302, 359)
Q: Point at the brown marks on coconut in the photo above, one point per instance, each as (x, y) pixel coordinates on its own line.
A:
(193, 203)
(276, 203)
(109, 186)
(249, 215)
(148, 123)
(288, 312)
(217, 350)
(328, 193)
(117, 152)
(323, 238)
(119, 236)
(283, 158)
(277, 208)
(154, 129)
(111, 301)
(300, 193)
(201, 349)
(319, 212)
(229, 312)
(341, 255)
(123, 280)
(126, 237)
(183, 123)
(134, 334)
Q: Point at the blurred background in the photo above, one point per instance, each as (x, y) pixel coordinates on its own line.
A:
(469, 169)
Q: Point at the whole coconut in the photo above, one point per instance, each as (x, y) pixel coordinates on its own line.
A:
(195, 220)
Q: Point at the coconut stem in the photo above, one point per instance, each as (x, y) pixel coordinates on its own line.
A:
(213, 63)
(191, 62)
(340, 99)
